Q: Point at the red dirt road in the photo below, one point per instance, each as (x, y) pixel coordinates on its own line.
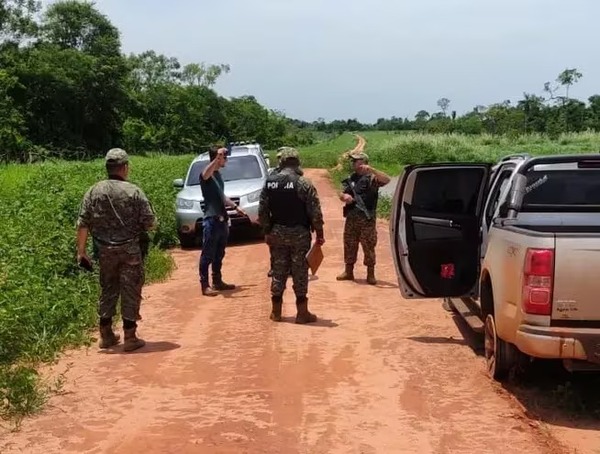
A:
(376, 374)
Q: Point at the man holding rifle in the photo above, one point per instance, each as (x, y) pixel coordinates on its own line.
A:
(360, 193)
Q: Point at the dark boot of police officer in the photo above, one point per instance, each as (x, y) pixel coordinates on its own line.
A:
(304, 316)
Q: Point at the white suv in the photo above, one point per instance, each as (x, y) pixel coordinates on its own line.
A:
(244, 176)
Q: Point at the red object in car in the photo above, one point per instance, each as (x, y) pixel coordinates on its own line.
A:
(447, 271)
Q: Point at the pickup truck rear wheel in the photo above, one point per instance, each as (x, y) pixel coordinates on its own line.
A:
(499, 354)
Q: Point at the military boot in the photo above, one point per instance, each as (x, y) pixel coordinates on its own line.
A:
(107, 337)
(303, 316)
(348, 274)
(371, 275)
(219, 285)
(132, 342)
(277, 302)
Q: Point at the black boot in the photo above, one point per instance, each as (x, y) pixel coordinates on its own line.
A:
(303, 316)
(277, 302)
(219, 285)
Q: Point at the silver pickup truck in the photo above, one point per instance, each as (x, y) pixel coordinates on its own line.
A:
(514, 248)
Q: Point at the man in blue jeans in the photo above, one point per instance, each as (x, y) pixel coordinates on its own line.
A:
(215, 224)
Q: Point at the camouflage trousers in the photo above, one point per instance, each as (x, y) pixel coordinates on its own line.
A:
(359, 230)
(289, 246)
(121, 275)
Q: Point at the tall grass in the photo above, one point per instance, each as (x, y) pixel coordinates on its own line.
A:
(46, 302)
(427, 148)
(390, 152)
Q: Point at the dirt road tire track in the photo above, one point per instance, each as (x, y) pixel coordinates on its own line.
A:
(360, 146)
(376, 374)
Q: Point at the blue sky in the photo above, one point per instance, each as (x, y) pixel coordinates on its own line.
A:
(371, 58)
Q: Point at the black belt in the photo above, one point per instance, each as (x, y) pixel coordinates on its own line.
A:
(114, 243)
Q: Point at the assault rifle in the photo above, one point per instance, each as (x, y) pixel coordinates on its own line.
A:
(358, 201)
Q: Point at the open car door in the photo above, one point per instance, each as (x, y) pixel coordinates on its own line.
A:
(435, 229)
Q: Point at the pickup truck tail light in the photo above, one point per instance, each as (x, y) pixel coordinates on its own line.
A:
(538, 277)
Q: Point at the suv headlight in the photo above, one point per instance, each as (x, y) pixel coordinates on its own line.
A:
(254, 196)
(185, 204)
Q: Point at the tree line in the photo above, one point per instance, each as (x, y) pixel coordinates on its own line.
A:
(67, 90)
(552, 114)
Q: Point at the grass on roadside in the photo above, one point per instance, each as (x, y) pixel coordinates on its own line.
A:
(46, 302)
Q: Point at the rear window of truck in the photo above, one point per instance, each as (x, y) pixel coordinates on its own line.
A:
(566, 187)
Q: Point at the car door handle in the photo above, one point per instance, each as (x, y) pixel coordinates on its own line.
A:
(436, 221)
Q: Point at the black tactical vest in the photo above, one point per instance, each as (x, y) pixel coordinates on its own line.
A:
(368, 195)
(287, 208)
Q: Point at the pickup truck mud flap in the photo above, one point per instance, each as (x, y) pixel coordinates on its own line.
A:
(591, 345)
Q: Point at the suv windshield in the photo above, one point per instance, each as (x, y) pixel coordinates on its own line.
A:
(237, 168)
(562, 187)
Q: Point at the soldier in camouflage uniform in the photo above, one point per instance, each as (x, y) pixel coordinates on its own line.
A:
(289, 208)
(116, 213)
(274, 171)
(360, 193)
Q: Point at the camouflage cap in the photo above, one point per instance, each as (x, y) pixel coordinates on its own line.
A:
(359, 156)
(117, 156)
(288, 153)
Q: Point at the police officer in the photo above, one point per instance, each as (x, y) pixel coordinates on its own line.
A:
(289, 207)
(272, 172)
(116, 213)
(360, 194)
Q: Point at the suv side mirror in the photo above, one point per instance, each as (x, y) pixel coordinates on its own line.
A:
(178, 183)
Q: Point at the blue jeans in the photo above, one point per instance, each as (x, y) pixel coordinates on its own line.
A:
(214, 241)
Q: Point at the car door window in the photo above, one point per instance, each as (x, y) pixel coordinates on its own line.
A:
(498, 188)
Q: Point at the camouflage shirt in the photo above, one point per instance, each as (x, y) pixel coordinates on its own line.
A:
(307, 193)
(115, 211)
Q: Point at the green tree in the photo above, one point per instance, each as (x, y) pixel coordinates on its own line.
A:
(568, 78)
(17, 19)
(71, 24)
(201, 75)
